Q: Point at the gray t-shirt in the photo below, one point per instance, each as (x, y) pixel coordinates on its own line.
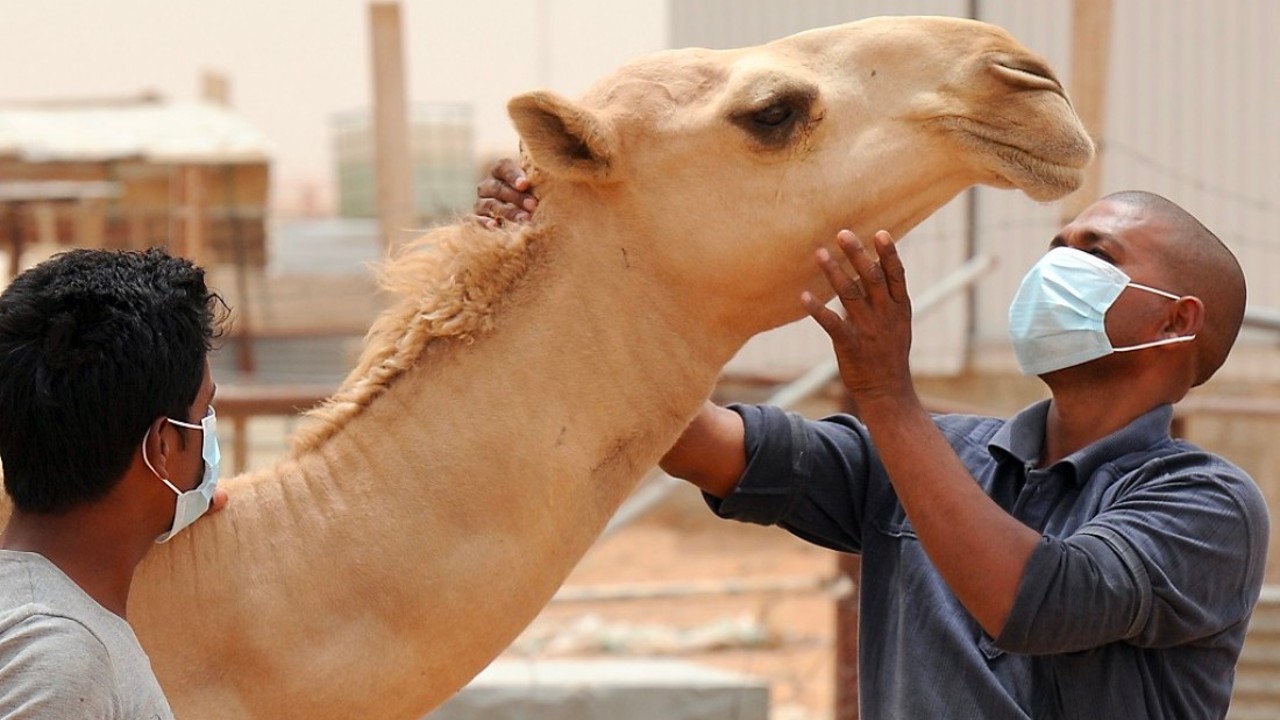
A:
(62, 655)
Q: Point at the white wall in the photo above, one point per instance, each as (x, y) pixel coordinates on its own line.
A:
(1193, 113)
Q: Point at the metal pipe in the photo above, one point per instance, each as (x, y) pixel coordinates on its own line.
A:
(1263, 318)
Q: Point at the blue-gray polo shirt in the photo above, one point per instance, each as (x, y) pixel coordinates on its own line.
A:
(1133, 606)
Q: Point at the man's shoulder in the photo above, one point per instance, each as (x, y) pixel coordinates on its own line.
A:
(1200, 475)
(35, 627)
(28, 580)
(40, 605)
(52, 659)
(1177, 460)
(46, 630)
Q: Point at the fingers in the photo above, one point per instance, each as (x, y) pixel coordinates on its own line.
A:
(883, 276)
(856, 291)
(492, 188)
(894, 272)
(869, 272)
(219, 500)
(510, 173)
(513, 185)
(485, 222)
(498, 210)
(504, 195)
(834, 325)
(846, 288)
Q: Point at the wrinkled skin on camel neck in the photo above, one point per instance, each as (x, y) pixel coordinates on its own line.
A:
(529, 377)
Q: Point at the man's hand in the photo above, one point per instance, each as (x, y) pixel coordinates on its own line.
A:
(873, 342)
(219, 500)
(504, 195)
(980, 550)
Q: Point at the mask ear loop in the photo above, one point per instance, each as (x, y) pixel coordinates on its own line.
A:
(1156, 343)
(1150, 289)
(1164, 341)
(151, 467)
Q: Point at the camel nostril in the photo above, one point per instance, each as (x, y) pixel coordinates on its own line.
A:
(1028, 72)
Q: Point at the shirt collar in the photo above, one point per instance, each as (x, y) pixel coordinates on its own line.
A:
(1021, 438)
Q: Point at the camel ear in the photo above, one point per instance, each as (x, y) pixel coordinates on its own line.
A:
(561, 137)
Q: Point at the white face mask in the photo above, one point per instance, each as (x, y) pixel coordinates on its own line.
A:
(195, 502)
(1058, 318)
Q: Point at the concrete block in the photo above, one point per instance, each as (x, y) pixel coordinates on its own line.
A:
(607, 689)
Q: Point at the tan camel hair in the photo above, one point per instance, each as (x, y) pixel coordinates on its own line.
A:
(527, 377)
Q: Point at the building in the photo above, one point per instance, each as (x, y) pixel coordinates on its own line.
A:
(442, 143)
(133, 173)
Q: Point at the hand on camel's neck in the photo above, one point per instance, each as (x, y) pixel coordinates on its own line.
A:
(98, 546)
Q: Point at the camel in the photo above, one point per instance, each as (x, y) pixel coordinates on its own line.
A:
(525, 378)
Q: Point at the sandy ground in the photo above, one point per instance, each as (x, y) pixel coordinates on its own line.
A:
(785, 638)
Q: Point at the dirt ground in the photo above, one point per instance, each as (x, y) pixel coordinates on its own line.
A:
(783, 637)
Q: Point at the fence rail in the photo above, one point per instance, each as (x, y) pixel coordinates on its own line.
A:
(236, 404)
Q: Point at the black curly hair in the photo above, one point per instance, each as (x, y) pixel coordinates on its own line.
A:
(94, 346)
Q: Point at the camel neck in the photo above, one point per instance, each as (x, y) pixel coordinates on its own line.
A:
(493, 462)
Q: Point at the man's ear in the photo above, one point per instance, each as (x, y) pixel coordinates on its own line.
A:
(562, 138)
(157, 448)
(1186, 317)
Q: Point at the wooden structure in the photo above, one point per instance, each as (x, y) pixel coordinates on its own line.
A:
(239, 403)
(391, 124)
(189, 176)
(1090, 68)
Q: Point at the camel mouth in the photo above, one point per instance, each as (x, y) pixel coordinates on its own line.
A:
(1044, 172)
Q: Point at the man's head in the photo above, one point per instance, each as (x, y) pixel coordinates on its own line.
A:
(1160, 245)
(1196, 263)
(94, 346)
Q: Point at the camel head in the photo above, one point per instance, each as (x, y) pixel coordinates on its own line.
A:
(720, 172)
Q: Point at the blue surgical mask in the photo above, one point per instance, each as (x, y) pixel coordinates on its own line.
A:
(195, 502)
(1058, 318)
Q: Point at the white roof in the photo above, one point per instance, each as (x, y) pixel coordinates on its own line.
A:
(171, 132)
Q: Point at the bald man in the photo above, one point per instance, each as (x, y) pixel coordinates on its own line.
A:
(1074, 561)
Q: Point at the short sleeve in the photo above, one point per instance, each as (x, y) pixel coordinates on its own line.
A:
(1178, 556)
(808, 476)
(54, 667)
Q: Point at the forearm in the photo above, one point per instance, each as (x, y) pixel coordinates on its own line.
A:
(980, 550)
(711, 453)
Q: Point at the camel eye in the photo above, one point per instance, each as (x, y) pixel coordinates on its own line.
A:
(774, 115)
(774, 124)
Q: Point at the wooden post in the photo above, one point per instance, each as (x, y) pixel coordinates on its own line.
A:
(14, 214)
(1090, 63)
(391, 125)
(240, 443)
(44, 216)
(91, 223)
(244, 310)
(215, 88)
(194, 228)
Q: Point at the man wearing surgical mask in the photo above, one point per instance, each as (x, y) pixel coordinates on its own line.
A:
(108, 442)
(1074, 561)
